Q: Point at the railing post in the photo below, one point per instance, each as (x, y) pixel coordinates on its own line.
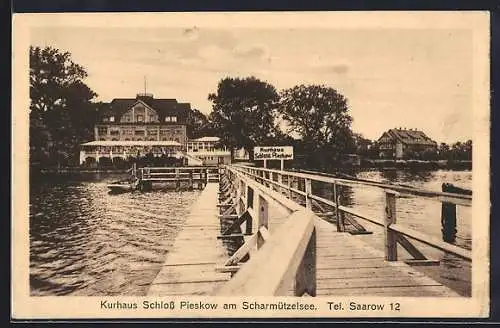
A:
(448, 218)
(237, 195)
(177, 180)
(339, 216)
(391, 250)
(190, 185)
(289, 185)
(250, 197)
(263, 219)
(295, 184)
(242, 196)
(280, 182)
(305, 279)
(308, 190)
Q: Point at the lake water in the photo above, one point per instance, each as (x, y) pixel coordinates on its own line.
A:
(84, 241)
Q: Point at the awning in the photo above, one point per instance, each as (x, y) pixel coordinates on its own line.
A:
(132, 143)
(209, 153)
(206, 139)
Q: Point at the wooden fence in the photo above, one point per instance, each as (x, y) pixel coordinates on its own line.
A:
(187, 175)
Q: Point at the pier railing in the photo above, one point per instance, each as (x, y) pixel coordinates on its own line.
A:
(186, 175)
(245, 194)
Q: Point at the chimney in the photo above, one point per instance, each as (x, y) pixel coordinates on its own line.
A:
(144, 96)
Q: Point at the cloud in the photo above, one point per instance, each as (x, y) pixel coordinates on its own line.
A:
(213, 53)
(191, 33)
(338, 68)
(251, 52)
(328, 65)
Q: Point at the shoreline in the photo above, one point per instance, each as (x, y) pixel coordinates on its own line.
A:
(385, 166)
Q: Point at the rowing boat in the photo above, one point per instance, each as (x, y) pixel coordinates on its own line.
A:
(122, 186)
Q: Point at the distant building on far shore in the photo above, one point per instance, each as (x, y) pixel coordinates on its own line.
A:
(395, 143)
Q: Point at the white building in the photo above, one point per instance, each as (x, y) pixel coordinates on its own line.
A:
(208, 150)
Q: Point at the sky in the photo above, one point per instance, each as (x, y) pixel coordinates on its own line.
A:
(409, 78)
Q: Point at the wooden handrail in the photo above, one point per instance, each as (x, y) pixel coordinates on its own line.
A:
(285, 251)
(459, 199)
(432, 241)
(257, 182)
(168, 168)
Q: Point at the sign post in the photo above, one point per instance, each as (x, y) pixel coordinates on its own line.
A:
(281, 153)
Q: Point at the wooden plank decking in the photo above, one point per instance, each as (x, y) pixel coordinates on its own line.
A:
(346, 266)
(189, 268)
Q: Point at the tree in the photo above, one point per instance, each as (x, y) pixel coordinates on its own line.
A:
(462, 151)
(198, 124)
(362, 146)
(319, 115)
(443, 151)
(244, 111)
(429, 154)
(61, 112)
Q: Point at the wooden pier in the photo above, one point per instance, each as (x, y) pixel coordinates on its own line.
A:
(189, 268)
(187, 177)
(277, 215)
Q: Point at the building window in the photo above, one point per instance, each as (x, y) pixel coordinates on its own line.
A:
(114, 132)
(105, 119)
(170, 118)
(152, 139)
(140, 118)
(151, 132)
(114, 139)
(126, 118)
(102, 130)
(139, 132)
(127, 139)
(112, 119)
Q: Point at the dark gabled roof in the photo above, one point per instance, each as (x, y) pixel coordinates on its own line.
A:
(163, 106)
(410, 137)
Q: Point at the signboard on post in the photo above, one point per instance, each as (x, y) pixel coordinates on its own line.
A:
(264, 153)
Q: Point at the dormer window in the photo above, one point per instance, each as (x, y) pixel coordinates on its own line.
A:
(170, 118)
(112, 119)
